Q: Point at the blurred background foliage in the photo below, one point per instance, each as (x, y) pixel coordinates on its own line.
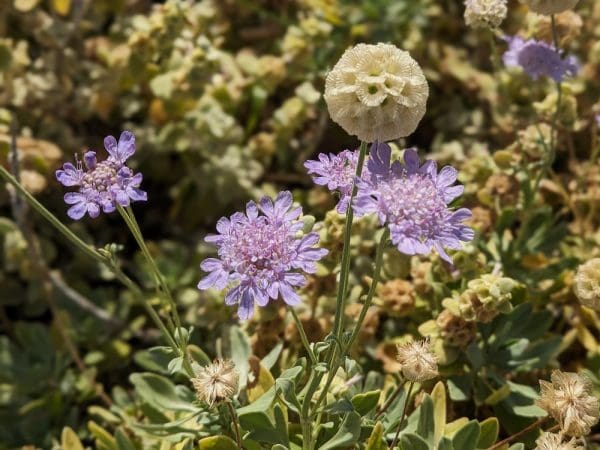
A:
(224, 97)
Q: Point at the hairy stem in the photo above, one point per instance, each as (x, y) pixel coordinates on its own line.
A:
(404, 410)
(236, 426)
(524, 431)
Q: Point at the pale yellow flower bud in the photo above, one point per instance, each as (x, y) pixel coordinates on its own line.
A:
(587, 284)
(568, 399)
(376, 92)
(417, 361)
(485, 13)
(554, 441)
(216, 383)
(550, 6)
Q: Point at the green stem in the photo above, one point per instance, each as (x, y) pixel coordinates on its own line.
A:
(404, 409)
(305, 422)
(129, 219)
(338, 325)
(89, 251)
(372, 289)
(389, 401)
(303, 337)
(359, 322)
(236, 426)
(54, 221)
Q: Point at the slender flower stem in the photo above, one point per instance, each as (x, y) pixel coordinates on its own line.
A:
(372, 289)
(389, 401)
(404, 409)
(305, 422)
(359, 322)
(524, 431)
(129, 219)
(303, 337)
(89, 251)
(54, 221)
(338, 325)
(236, 426)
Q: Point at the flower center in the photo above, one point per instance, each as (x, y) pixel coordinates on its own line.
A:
(102, 177)
(259, 248)
(414, 203)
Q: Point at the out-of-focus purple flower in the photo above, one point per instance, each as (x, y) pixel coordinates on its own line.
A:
(337, 173)
(412, 200)
(261, 256)
(102, 185)
(537, 59)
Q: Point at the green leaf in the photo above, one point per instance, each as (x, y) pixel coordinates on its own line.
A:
(341, 406)
(438, 395)
(365, 402)
(489, 432)
(240, 352)
(411, 441)
(518, 446)
(217, 443)
(104, 439)
(347, 434)
(445, 444)
(426, 424)
(69, 440)
(467, 437)
(123, 441)
(271, 358)
(376, 440)
(160, 393)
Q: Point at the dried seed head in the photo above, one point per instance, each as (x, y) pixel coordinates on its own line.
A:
(550, 6)
(587, 284)
(418, 363)
(217, 382)
(568, 399)
(554, 441)
(376, 92)
(485, 13)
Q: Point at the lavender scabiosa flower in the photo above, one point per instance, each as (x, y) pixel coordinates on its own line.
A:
(412, 200)
(102, 185)
(538, 59)
(261, 255)
(337, 173)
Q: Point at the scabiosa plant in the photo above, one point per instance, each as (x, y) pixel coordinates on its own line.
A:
(261, 255)
(538, 59)
(337, 173)
(102, 185)
(412, 200)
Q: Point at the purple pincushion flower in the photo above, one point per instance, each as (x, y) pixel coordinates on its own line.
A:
(261, 255)
(337, 173)
(537, 59)
(412, 200)
(102, 185)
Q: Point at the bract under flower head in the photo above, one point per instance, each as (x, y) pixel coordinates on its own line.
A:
(538, 59)
(337, 172)
(412, 200)
(376, 92)
(261, 254)
(102, 185)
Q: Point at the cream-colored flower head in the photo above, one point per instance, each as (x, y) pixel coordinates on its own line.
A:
(587, 284)
(217, 382)
(417, 361)
(554, 441)
(550, 6)
(569, 400)
(485, 13)
(376, 92)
